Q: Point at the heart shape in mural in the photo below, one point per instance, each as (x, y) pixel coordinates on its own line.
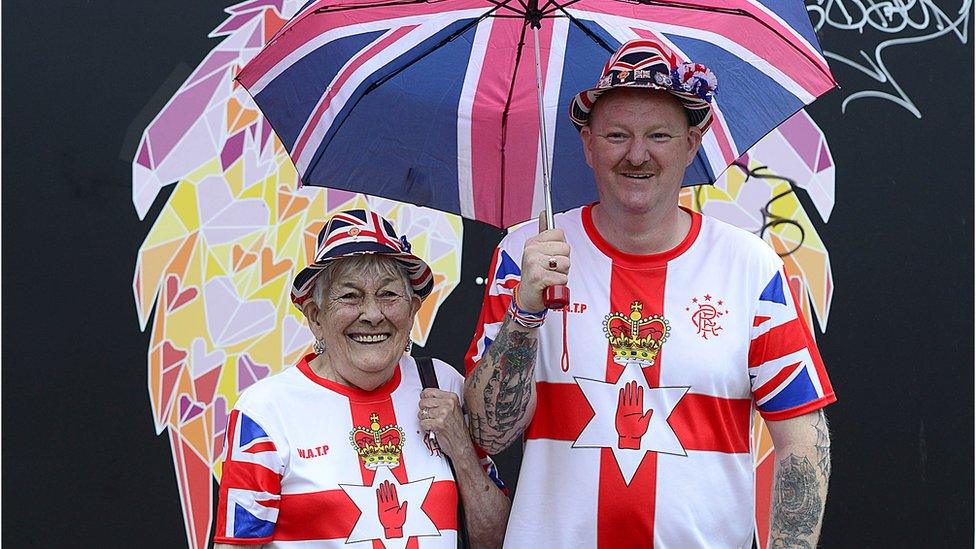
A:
(225, 218)
(201, 361)
(172, 356)
(242, 259)
(271, 270)
(289, 204)
(231, 319)
(189, 409)
(205, 369)
(175, 298)
(249, 372)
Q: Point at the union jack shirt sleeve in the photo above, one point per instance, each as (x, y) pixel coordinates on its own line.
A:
(250, 484)
(503, 276)
(785, 369)
(489, 466)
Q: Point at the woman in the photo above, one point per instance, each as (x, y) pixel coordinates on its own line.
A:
(348, 446)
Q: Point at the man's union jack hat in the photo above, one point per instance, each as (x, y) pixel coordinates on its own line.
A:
(647, 64)
(361, 232)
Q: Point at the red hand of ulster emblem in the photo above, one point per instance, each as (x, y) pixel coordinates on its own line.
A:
(631, 421)
(392, 513)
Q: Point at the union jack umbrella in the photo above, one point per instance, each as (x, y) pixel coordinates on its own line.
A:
(435, 102)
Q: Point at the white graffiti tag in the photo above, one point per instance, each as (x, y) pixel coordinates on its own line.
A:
(913, 21)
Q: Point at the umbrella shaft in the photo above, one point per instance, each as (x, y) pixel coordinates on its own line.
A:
(543, 136)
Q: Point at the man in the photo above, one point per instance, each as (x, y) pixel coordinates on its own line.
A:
(636, 400)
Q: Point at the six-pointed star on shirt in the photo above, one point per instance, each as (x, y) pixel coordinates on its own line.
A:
(601, 431)
(368, 527)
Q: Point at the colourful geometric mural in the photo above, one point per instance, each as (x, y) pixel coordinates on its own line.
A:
(757, 196)
(212, 277)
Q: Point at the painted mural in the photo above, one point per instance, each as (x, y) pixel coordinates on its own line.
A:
(759, 194)
(212, 277)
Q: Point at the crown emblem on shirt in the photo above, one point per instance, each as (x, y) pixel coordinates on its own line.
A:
(636, 338)
(378, 446)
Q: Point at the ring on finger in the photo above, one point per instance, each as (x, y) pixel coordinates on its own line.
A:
(552, 264)
(425, 412)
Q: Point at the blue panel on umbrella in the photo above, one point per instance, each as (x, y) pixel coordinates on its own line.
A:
(751, 102)
(290, 98)
(572, 179)
(411, 153)
(795, 15)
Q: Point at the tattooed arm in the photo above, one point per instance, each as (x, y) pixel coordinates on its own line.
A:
(499, 392)
(800, 484)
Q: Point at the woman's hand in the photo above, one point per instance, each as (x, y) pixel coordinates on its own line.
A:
(486, 506)
(440, 413)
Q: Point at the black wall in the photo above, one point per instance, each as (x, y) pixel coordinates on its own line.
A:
(82, 467)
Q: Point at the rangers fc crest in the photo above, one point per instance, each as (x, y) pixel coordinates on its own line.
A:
(706, 314)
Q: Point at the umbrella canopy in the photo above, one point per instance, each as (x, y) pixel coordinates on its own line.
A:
(434, 102)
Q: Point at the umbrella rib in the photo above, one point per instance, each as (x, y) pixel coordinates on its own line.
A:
(522, 16)
(592, 35)
(506, 5)
(556, 5)
(508, 104)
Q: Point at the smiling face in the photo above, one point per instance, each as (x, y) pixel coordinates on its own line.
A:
(639, 143)
(364, 317)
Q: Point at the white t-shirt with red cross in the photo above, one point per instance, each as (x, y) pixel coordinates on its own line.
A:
(313, 463)
(646, 387)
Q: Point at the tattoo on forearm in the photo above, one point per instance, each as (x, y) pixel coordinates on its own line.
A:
(509, 388)
(796, 504)
(485, 437)
(823, 445)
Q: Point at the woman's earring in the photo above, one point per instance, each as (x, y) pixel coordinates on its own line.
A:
(318, 347)
(409, 347)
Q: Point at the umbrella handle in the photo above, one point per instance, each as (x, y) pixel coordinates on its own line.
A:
(556, 296)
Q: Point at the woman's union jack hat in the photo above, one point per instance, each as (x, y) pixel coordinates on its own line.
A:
(646, 63)
(361, 232)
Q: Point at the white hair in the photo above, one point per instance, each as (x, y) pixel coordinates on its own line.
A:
(374, 264)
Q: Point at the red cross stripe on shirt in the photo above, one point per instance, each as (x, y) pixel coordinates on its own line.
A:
(301, 515)
(699, 422)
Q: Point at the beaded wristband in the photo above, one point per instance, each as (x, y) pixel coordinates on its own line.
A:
(526, 319)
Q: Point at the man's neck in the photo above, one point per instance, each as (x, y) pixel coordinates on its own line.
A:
(644, 233)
